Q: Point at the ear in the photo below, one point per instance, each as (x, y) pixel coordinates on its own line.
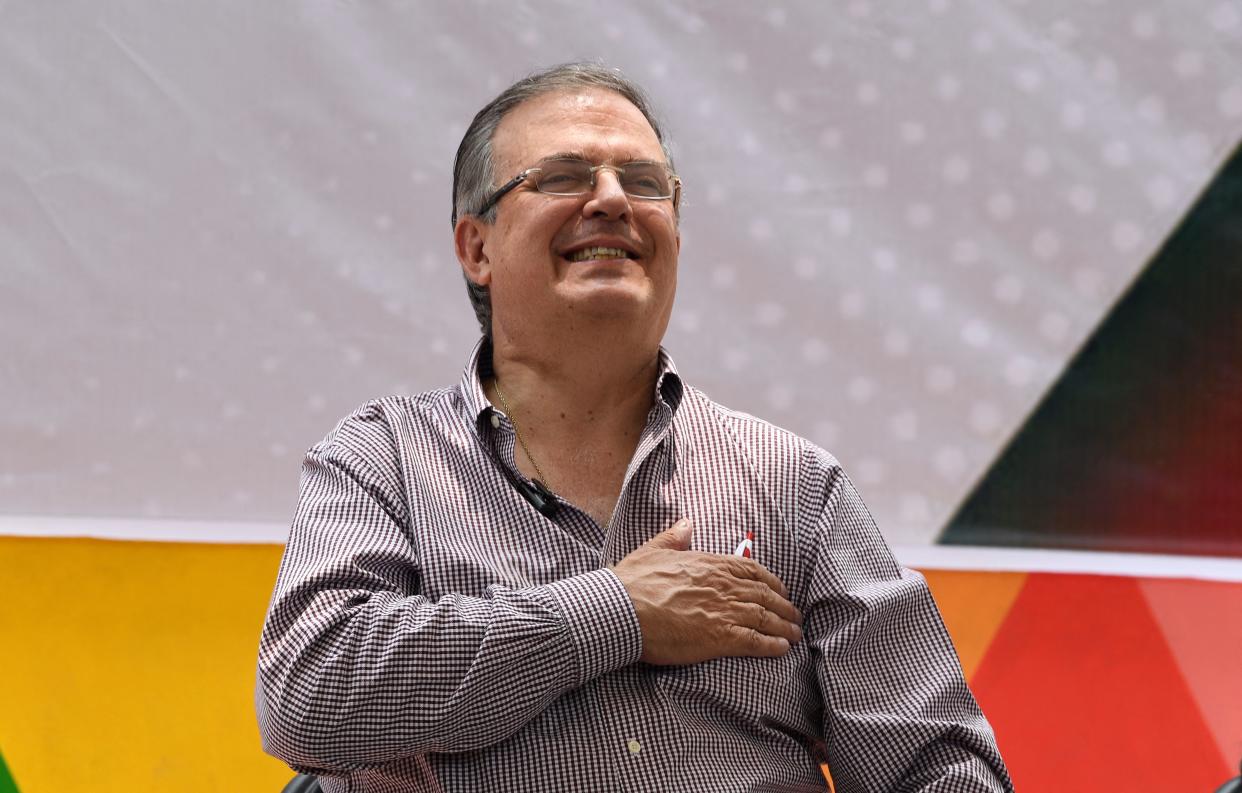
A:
(469, 238)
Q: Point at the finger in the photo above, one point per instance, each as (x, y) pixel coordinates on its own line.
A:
(749, 568)
(675, 537)
(760, 619)
(777, 605)
(750, 643)
(747, 592)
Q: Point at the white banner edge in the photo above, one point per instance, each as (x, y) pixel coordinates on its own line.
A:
(1040, 560)
(144, 529)
(926, 557)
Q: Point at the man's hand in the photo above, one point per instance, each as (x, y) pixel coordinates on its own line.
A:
(696, 606)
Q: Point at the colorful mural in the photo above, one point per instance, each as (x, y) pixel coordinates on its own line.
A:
(130, 666)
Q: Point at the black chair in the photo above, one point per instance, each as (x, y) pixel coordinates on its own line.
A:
(1232, 786)
(302, 784)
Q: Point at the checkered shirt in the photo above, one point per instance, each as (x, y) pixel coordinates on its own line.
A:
(431, 631)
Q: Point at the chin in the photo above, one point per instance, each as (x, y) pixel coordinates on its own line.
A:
(613, 291)
(610, 298)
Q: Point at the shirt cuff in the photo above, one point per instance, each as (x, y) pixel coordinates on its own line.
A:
(602, 622)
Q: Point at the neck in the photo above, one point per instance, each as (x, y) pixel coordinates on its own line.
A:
(598, 393)
(579, 409)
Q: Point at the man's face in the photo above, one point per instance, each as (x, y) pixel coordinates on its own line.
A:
(533, 252)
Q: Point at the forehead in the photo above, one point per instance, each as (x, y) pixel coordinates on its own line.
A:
(598, 124)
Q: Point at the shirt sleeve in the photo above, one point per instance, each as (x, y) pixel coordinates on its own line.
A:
(898, 715)
(356, 668)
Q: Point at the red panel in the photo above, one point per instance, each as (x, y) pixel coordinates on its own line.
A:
(1202, 624)
(1085, 695)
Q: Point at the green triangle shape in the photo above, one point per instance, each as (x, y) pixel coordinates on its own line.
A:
(1135, 447)
(7, 785)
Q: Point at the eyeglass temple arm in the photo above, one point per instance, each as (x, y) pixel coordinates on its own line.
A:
(502, 192)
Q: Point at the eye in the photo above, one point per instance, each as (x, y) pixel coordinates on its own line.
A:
(646, 181)
(564, 176)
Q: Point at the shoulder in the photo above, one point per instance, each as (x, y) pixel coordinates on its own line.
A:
(798, 473)
(763, 439)
(379, 424)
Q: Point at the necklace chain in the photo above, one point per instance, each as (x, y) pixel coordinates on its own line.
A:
(516, 431)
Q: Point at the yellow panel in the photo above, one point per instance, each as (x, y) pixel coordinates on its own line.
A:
(974, 605)
(130, 665)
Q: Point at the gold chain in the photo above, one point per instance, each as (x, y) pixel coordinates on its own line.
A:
(505, 404)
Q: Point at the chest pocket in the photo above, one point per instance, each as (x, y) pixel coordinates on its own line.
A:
(778, 692)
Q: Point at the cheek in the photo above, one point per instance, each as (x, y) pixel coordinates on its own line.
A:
(658, 223)
(668, 237)
(514, 247)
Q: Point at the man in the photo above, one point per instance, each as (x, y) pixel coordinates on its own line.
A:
(573, 571)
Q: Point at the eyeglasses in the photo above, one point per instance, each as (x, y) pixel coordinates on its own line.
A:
(569, 176)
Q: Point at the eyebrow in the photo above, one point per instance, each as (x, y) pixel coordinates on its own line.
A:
(565, 155)
(579, 155)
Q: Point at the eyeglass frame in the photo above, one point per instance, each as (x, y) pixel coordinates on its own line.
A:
(619, 170)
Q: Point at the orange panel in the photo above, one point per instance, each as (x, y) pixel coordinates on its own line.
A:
(974, 605)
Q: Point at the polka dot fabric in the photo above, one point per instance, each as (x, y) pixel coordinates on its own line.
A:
(899, 221)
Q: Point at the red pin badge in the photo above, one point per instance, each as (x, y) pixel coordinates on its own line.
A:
(745, 546)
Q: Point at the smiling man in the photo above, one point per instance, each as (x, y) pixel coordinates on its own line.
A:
(572, 570)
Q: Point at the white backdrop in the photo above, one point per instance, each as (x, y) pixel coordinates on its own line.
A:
(224, 225)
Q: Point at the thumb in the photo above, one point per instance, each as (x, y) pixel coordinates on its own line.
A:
(674, 538)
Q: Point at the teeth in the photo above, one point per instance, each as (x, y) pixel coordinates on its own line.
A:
(598, 253)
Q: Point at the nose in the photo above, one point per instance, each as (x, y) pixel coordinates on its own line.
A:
(607, 200)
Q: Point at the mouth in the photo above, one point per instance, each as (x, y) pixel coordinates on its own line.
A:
(599, 253)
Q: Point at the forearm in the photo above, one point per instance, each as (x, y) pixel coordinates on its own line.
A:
(898, 713)
(950, 765)
(362, 679)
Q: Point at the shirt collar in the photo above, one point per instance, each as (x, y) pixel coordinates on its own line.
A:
(475, 402)
(669, 389)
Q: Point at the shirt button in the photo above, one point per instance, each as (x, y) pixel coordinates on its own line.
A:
(634, 746)
(495, 421)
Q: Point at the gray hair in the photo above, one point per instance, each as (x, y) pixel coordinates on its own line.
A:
(474, 176)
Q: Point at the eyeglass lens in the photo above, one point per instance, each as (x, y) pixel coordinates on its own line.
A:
(574, 177)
